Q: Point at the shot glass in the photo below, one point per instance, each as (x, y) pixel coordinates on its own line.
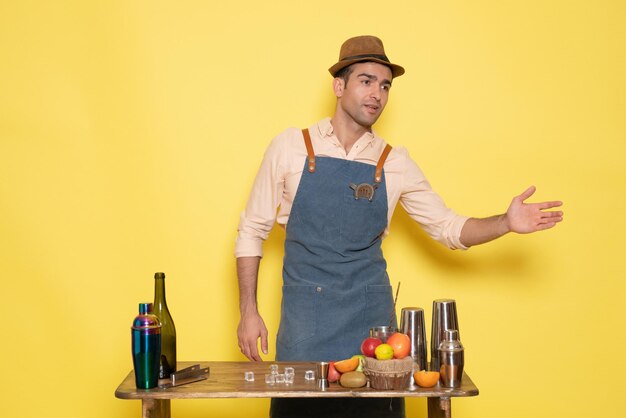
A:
(382, 332)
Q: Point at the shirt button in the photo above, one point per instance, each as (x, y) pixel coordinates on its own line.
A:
(318, 289)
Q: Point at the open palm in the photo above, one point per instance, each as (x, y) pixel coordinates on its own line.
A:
(525, 218)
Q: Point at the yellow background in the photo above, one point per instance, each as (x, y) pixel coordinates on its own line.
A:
(131, 131)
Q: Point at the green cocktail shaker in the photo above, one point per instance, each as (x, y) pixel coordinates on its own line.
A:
(146, 347)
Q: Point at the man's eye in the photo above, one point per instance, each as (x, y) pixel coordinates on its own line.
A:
(366, 81)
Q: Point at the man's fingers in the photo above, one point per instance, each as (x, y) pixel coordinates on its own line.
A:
(546, 225)
(248, 348)
(264, 342)
(553, 214)
(527, 193)
(552, 217)
(251, 352)
(550, 205)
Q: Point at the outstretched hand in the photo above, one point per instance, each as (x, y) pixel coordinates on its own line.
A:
(525, 218)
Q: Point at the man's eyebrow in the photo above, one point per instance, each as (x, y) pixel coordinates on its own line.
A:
(373, 77)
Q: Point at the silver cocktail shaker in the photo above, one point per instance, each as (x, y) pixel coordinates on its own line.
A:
(444, 318)
(451, 356)
(412, 324)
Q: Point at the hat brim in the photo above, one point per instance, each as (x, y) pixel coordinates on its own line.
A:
(396, 70)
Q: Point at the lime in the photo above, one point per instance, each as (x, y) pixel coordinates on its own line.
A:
(384, 352)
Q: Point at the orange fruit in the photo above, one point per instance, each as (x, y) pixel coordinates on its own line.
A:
(401, 344)
(347, 365)
(426, 379)
(384, 352)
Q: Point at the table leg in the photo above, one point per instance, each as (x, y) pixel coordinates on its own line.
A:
(155, 408)
(439, 407)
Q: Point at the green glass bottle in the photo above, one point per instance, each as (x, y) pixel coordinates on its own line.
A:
(168, 330)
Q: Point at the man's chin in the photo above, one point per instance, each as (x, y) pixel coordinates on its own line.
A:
(369, 121)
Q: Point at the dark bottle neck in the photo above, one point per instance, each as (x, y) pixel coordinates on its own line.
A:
(159, 291)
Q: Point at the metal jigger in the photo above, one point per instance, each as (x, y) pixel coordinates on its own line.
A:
(322, 375)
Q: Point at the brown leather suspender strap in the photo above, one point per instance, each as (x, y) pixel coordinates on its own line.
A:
(309, 150)
(378, 177)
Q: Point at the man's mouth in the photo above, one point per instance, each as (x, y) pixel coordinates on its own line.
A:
(372, 108)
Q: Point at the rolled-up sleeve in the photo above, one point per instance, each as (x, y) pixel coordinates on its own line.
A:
(428, 209)
(258, 218)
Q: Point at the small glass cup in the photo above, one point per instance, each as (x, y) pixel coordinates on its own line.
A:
(248, 376)
(289, 378)
(309, 375)
(382, 332)
(289, 371)
(270, 379)
(274, 369)
(280, 378)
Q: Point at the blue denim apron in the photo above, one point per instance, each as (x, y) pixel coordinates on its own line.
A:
(335, 284)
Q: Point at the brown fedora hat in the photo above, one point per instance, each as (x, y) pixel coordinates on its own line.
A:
(364, 48)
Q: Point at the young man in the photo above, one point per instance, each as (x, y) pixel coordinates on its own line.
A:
(335, 187)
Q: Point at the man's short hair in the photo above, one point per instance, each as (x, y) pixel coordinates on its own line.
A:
(345, 72)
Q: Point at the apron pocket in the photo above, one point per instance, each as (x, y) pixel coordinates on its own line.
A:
(362, 221)
(298, 317)
(379, 302)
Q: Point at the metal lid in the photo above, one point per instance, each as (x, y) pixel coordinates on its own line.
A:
(451, 341)
(146, 320)
(145, 308)
(451, 335)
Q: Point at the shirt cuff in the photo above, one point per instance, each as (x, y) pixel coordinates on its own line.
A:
(454, 235)
(248, 246)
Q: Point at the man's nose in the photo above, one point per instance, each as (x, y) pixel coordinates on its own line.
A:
(375, 91)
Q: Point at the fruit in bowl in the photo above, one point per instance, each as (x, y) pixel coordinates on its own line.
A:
(401, 344)
(368, 346)
(384, 352)
(426, 379)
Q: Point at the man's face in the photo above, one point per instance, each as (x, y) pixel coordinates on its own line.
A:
(364, 96)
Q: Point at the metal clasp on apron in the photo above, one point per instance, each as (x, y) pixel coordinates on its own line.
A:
(364, 190)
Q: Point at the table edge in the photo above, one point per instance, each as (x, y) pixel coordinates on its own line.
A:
(469, 390)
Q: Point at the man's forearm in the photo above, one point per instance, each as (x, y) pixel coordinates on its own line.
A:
(247, 273)
(481, 230)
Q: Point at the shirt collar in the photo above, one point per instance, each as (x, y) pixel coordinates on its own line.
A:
(326, 130)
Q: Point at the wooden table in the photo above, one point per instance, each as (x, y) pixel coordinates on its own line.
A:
(226, 380)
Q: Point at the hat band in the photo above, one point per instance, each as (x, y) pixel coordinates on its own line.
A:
(356, 57)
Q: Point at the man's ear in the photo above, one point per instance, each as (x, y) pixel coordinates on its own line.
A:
(338, 86)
